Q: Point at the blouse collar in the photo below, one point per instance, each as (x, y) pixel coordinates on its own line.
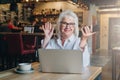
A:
(71, 38)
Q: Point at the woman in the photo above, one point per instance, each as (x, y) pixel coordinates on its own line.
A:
(67, 35)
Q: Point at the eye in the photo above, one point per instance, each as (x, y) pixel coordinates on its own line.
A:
(63, 23)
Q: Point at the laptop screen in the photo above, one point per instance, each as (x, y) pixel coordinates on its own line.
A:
(29, 29)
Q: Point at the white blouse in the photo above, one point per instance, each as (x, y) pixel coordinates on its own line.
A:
(72, 43)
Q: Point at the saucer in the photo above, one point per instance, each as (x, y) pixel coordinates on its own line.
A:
(21, 71)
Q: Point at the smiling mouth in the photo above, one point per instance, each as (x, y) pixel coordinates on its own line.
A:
(67, 30)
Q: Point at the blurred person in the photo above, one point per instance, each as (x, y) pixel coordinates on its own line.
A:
(37, 26)
(16, 21)
(13, 27)
(35, 22)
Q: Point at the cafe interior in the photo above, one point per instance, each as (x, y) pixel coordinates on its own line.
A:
(21, 45)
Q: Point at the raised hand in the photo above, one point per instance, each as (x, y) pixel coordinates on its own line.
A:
(87, 31)
(48, 32)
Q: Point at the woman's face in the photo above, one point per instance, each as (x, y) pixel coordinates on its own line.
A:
(67, 26)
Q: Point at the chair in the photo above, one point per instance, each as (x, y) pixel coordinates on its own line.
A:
(16, 49)
(3, 55)
(29, 41)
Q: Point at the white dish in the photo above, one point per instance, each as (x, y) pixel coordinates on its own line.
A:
(22, 72)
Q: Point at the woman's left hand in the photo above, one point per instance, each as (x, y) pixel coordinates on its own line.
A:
(87, 31)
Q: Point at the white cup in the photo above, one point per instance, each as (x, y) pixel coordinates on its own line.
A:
(24, 66)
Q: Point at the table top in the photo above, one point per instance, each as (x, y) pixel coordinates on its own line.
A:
(90, 73)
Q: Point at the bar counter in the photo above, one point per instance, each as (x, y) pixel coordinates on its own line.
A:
(90, 73)
(23, 33)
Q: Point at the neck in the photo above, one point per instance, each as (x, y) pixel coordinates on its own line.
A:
(63, 38)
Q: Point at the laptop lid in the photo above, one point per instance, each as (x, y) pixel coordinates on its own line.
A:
(61, 61)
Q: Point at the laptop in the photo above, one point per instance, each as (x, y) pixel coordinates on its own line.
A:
(61, 61)
(29, 29)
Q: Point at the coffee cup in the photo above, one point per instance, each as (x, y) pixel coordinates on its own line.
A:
(24, 66)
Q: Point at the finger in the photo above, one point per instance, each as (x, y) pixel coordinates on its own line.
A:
(45, 26)
(49, 25)
(52, 29)
(83, 32)
(93, 33)
(87, 29)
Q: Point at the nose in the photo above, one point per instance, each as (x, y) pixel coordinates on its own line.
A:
(67, 25)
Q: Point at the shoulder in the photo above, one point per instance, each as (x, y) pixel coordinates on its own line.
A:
(77, 39)
(10, 25)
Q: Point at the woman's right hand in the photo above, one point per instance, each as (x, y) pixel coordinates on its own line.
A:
(48, 30)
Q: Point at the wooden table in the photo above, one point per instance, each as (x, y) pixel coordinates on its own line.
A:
(90, 73)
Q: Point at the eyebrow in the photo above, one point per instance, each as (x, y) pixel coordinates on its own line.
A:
(67, 22)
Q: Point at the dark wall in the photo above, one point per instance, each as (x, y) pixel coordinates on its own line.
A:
(8, 1)
(13, 7)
